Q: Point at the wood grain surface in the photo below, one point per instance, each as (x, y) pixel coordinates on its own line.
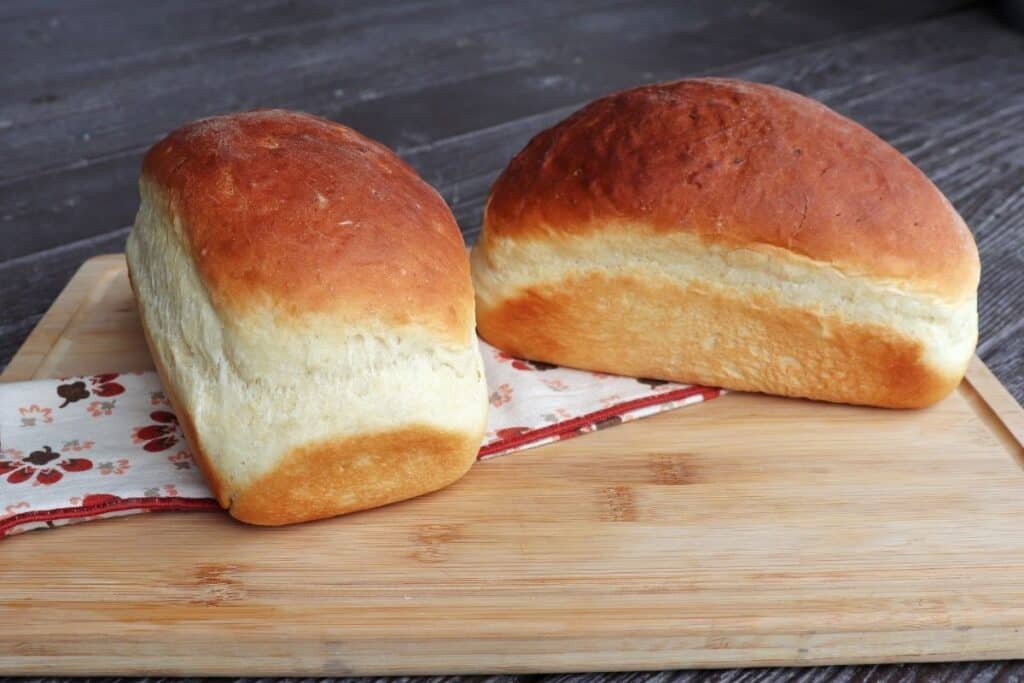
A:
(749, 530)
(457, 87)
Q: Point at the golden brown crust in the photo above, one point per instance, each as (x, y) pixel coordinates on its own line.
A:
(618, 325)
(738, 163)
(357, 473)
(295, 212)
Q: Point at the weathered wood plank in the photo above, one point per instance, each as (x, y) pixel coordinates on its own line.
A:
(488, 66)
(28, 285)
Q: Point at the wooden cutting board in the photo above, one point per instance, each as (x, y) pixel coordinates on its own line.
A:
(746, 531)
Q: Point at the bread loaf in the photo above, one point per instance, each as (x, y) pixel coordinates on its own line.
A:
(731, 234)
(307, 301)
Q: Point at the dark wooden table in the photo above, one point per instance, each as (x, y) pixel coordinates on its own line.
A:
(458, 86)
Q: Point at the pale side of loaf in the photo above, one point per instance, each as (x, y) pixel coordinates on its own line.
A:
(307, 301)
(730, 234)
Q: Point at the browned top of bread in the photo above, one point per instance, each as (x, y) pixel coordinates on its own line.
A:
(307, 216)
(741, 164)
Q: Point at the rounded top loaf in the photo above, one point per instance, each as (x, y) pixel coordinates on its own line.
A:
(743, 165)
(298, 214)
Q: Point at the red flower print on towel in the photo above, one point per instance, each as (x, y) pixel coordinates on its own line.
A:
(18, 467)
(158, 398)
(557, 416)
(104, 385)
(76, 445)
(117, 467)
(33, 415)
(14, 508)
(182, 460)
(156, 492)
(501, 396)
(100, 408)
(609, 401)
(100, 385)
(158, 437)
(71, 392)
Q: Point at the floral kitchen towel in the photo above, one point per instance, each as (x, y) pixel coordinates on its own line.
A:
(82, 448)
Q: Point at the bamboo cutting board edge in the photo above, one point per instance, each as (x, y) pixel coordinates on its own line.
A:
(179, 628)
